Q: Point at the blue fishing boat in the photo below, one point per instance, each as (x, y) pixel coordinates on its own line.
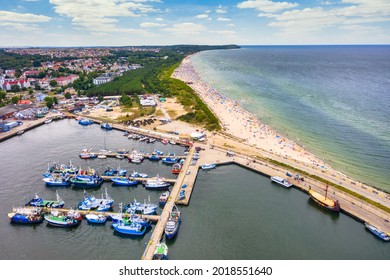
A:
(99, 204)
(170, 160)
(138, 175)
(110, 172)
(26, 216)
(172, 226)
(119, 181)
(87, 181)
(154, 157)
(378, 233)
(106, 126)
(57, 181)
(130, 229)
(208, 166)
(39, 202)
(85, 121)
(96, 219)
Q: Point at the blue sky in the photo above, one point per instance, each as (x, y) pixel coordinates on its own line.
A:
(166, 22)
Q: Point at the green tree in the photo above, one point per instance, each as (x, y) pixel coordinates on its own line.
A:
(36, 63)
(15, 99)
(125, 100)
(55, 100)
(30, 91)
(41, 75)
(49, 101)
(37, 87)
(15, 88)
(67, 95)
(100, 98)
(53, 83)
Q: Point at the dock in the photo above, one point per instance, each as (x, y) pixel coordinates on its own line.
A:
(160, 226)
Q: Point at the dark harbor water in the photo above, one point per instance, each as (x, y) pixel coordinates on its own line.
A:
(233, 213)
(334, 100)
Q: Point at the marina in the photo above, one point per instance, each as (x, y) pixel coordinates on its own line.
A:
(220, 157)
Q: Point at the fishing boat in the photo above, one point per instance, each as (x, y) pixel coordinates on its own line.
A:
(154, 157)
(110, 172)
(85, 122)
(138, 175)
(59, 219)
(165, 141)
(57, 181)
(87, 155)
(106, 126)
(20, 132)
(48, 121)
(123, 181)
(173, 223)
(96, 219)
(280, 181)
(26, 216)
(324, 201)
(161, 252)
(39, 202)
(172, 142)
(164, 198)
(87, 181)
(156, 183)
(99, 204)
(176, 168)
(135, 229)
(170, 160)
(102, 156)
(152, 140)
(377, 232)
(208, 166)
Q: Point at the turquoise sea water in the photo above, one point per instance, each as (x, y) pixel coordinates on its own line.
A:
(334, 100)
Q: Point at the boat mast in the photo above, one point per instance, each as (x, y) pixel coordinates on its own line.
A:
(326, 189)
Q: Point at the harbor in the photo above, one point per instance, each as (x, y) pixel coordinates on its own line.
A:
(191, 170)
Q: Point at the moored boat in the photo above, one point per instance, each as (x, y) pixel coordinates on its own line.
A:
(87, 181)
(123, 181)
(280, 181)
(58, 219)
(106, 126)
(98, 204)
(172, 226)
(324, 201)
(164, 198)
(57, 181)
(96, 219)
(156, 183)
(26, 216)
(377, 232)
(208, 166)
(176, 168)
(39, 202)
(85, 121)
(129, 229)
(161, 252)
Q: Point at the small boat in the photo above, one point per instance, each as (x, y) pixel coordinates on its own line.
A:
(129, 229)
(110, 172)
(172, 142)
(154, 157)
(208, 166)
(48, 121)
(324, 201)
(144, 138)
(106, 126)
(85, 122)
(164, 198)
(173, 223)
(156, 183)
(138, 175)
(120, 156)
(98, 204)
(170, 160)
(176, 168)
(280, 181)
(87, 155)
(87, 181)
(152, 140)
(101, 156)
(122, 181)
(377, 232)
(20, 132)
(165, 141)
(58, 219)
(57, 181)
(126, 133)
(182, 195)
(96, 219)
(161, 252)
(26, 216)
(39, 202)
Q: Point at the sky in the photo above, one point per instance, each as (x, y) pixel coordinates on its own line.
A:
(168, 22)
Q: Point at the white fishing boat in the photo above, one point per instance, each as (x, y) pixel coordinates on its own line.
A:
(281, 181)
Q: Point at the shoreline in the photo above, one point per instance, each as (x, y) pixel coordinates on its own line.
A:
(243, 125)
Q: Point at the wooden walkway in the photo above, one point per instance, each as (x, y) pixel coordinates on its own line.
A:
(160, 227)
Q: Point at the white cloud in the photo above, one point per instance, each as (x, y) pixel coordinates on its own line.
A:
(266, 5)
(152, 24)
(30, 0)
(159, 19)
(186, 28)
(202, 16)
(101, 16)
(327, 3)
(221, 10)
(225, 32)
(231, 25)
(18, 17)
(223, 19)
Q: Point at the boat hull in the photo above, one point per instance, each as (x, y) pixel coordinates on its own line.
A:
(335, 208)
(22, 219)
(59, 223)
(379, 234)
(128, 231)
